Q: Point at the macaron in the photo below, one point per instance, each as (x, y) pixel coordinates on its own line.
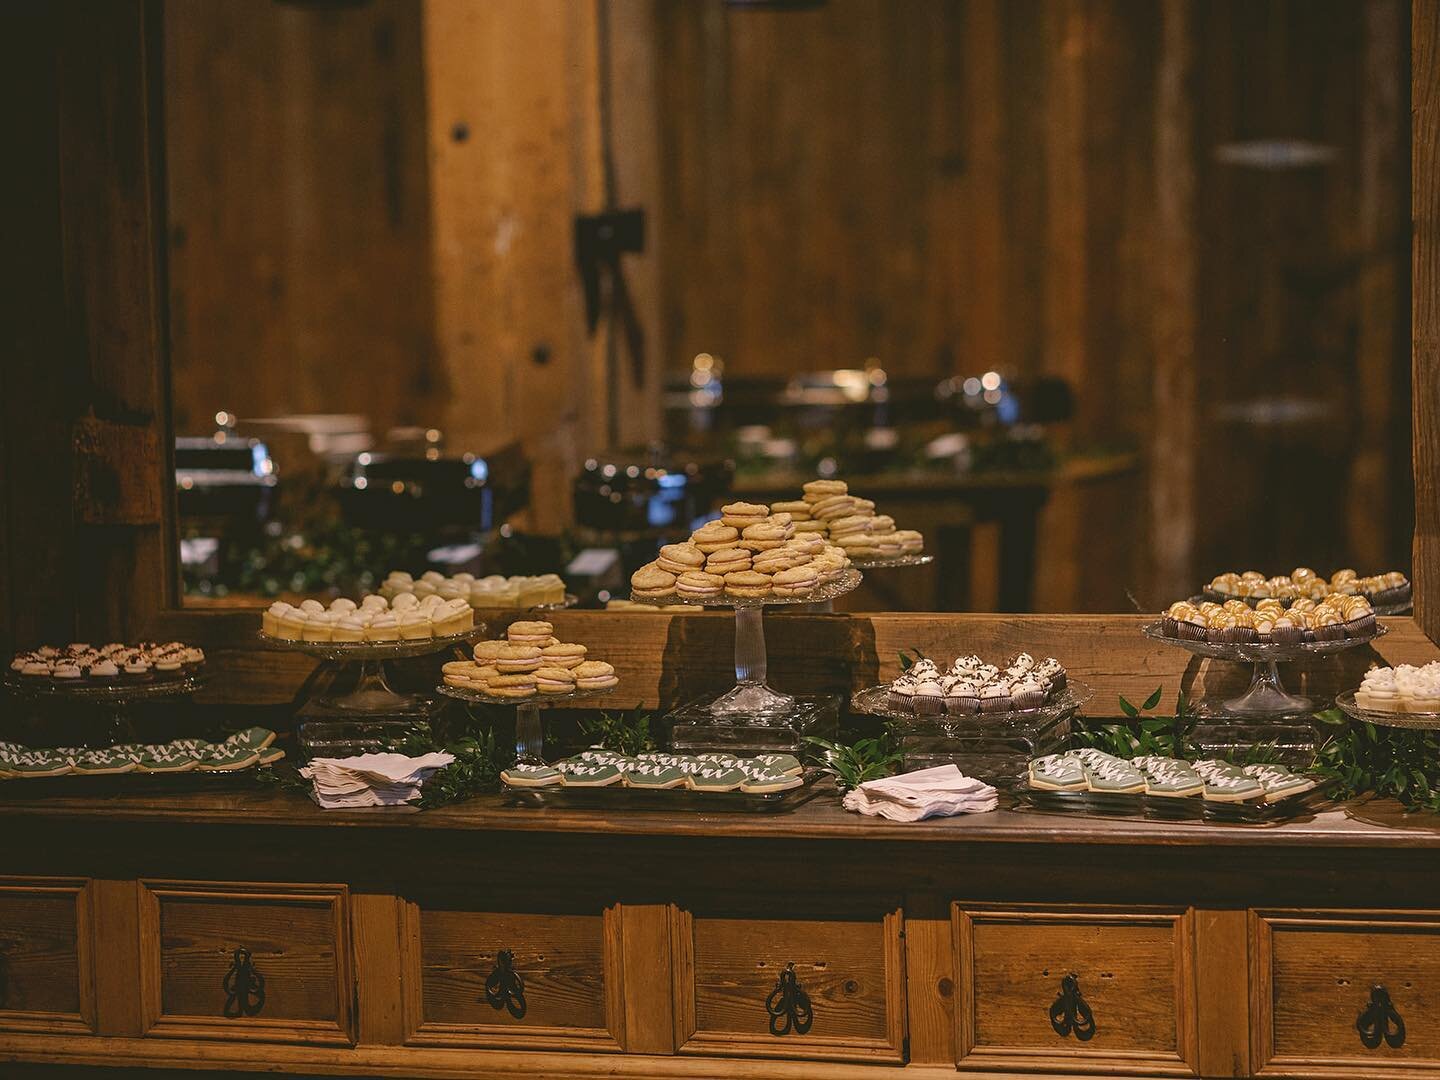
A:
(554, 680)
(529, 633)
(739, 514)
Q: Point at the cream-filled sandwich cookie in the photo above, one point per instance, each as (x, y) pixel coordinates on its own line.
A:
(563, 654)
(816, 490)
(488, 651)
(594, 675)
(836, 506)
(796, 581)
(698, 585)
(811, 527)
(764, 535)
(512, 685)
(740, 514)
(747, 584)
(714, 536)
(529, 633)
(652, 582)
(555, 680)
(728, 560)
(680, 558)
(798, 510)
(777, 559)
(517, 658)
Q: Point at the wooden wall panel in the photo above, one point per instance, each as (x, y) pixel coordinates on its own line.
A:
(299, 213)
(1425, 211)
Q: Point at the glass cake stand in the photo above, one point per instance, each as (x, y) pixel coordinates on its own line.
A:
(560, 605)
(372, 695)
(880, 562)
(115, 700)
(1390, 602)
(1413, 721)
(1266, 695)
(752, 699)
(529, 735)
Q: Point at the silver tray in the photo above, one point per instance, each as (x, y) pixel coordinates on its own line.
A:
(1162, 808)
(1413, 721)
(1261, 652)
(156, 688)
(880, 562)
(846, 582)
(619, 797)
(476, 697)
(873, 702)
(373, 650)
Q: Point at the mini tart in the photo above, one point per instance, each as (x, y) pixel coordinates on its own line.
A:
(555, 680)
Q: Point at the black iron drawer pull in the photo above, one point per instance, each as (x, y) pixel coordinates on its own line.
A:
(505, 989)
(789, 1005)
(244, 986)
(1380, 1021)
(1070, 1015)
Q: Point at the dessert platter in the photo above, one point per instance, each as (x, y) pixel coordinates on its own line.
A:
(603, 779)
(1090, 781)
(369, 633)
(1266, 635)
(750, 559)
(529, 668)
(542, 592)
(1400, 697)
(163, 765)
(1389, 592)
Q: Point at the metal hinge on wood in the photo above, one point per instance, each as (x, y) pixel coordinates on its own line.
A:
(118, 473)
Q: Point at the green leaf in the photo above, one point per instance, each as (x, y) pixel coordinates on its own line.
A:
(1127, 708)
(1153, 699)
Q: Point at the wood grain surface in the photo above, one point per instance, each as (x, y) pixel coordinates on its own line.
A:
(39, 952)
(1425, 309)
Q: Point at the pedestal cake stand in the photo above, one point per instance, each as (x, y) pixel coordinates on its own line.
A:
(752, 698)
(529, 735)
(1410, 721)
(115, 700)
(1266, 695)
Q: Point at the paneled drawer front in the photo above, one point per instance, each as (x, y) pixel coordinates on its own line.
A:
(1081, 990)
(531, 979)
(1315, 974)
(813, 980)
(46, 981)
(246, 961)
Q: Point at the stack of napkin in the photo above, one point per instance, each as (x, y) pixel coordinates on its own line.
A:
(938, 792)
(370, 779)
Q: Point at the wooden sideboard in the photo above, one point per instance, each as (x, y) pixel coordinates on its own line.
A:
(647, 944)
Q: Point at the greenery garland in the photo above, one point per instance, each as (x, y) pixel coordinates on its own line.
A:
(1363, 759)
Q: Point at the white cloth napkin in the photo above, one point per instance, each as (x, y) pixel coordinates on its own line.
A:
(939, 792)
(370, 779)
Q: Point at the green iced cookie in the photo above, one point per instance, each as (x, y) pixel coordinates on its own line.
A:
(598, 755)
(654, 774)
(1227, 783)
(224, 758)
(717, 776)
(165, 759)
(255, 738)
(588, 774)
(1169, 777)
(760, 782)
(102, 762)
(34, 763)
(270, 755)
(780, 763)
(1055, 772)
(1278, 781)
(518, 775)
(1109, 775)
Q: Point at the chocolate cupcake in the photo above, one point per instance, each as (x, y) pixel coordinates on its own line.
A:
(1053, 672)
(962, 697)
(929, 697)
(1328, 626)
(995, 697)
(1288, 629)
(1028, 693)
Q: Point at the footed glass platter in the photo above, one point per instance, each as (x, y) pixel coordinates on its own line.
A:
(374, 650)
(529, 735)
(1414, 721)
(620, 797)
(875, 702)
(116, 693)
(1156, 807)
(695, 729)
(880, 562)
(1390, 602)
(1266, 695)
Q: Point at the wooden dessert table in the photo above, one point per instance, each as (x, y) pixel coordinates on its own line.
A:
(135, 930)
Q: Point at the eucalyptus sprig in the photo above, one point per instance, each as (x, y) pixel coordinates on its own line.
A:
(1362, 758)
(853, 764)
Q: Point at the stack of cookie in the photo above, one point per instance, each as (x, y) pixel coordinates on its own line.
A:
(762, 774)
(829, 510)
(750, 553)
(530, 660)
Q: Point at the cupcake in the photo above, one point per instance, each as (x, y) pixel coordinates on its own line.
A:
(962, 696)
(1053, 672)
(986, 673)
(967, 665)
(902, 694)
(1225, 584)
(1359, 617)
(1170, 618)
(1288, 629)
(1378, 691)
(1328, 626)
(1192, 625)
(995, 697)
(1264, 623)
(1028, 693)
(1224, 628)
(929, 697)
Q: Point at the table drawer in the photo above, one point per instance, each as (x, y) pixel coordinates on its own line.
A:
(1314, 973)
(1072, 989)
(737, 965)
(246, 961)
(513, 976)
(46, 981)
